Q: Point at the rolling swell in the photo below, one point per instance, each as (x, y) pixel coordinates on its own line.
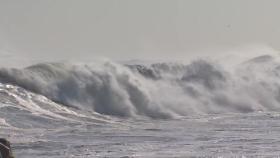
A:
(162, 90)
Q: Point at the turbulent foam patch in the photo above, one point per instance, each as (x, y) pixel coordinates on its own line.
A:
(161, 90)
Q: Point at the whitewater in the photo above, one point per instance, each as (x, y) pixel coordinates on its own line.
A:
(201, 108)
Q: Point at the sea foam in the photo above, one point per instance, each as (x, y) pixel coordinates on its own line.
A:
(159, 90)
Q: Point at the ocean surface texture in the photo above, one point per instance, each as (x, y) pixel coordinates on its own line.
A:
(203, 108)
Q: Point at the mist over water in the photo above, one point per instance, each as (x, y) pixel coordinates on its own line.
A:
(140, 79)
(217, 107)
(157, 90)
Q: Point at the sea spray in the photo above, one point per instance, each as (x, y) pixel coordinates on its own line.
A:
(160, 90)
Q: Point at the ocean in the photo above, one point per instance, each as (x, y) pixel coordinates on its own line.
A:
(203, 108)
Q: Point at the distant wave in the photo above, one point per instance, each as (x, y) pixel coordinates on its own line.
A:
(160, 90)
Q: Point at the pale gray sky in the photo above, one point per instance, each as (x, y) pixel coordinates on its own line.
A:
(131, 29)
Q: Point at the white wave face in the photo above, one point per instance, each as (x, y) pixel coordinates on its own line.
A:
(161, 90)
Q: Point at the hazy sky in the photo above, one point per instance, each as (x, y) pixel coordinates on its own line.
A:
(131, 29)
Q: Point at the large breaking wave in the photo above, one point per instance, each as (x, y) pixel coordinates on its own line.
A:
(160, 90)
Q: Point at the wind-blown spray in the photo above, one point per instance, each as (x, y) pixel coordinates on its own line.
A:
(161, 90)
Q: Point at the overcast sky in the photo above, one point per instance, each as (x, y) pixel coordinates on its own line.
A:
(133, 29)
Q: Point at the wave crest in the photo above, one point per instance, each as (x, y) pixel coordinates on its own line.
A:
(161, 90)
